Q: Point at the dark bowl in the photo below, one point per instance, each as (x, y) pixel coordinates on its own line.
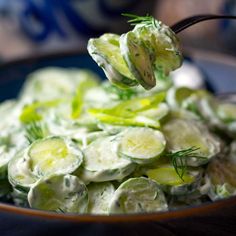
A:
(216, 218)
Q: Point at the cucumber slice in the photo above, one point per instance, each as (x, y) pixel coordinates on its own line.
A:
(61, 193)
(157, 112)
(138, 59)
(142, 145)
(7, 110)
(216, 116)
(111, 129)
(137, 195)
(183, 134)
(163, 46)
(226, 112)
(221, 173)
(176, 96)
(105, 51)
(102, 163)
(171, 183)
(186, 98)
(19, 173)
(54, 155)
(47, 84)
(100, 195)
(6, 154)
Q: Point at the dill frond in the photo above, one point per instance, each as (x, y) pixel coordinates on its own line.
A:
(179, 159)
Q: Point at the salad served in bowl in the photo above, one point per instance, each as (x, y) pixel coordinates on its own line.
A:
(72, 144)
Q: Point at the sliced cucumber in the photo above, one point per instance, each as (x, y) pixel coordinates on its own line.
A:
(171, 183)
(138, 195)
(138, 59)
(105, 50)
(186, 98)
(54, 155)
(221, 172)
(46, 84)
(142, 145)
(100, 195)
(227, 112)
(157, 112)
(111, 129)
(19, 173)
(6, 154)
(102, 162)
(163, 45)
(61, 193)
(176, 96)
(183, 134)
(219, 115)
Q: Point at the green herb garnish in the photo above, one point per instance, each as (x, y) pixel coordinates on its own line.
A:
(34, 131)
(119, 94)
(179, 159)
(145, 20)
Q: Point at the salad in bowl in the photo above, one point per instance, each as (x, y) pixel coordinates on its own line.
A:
(137, 143)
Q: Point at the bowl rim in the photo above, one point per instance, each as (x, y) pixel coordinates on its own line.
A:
(191, 211)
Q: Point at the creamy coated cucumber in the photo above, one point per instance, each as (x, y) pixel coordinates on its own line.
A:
(156, 112)
(138, 59)
(186, 98)
(162, 44)
(219, 115)
(100, 195)
(6, 154)
(102, 162)
(170, 181)
(54, 155)
(105, 50)
(138, 195)
(227, 112)
(141, 145)
(51, 83)
(19, 172)
(221, 173)
(61, 193)
(182, 134)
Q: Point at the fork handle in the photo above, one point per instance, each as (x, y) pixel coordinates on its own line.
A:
(192, 20)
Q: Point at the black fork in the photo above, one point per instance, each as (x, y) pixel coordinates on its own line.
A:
(192, 20)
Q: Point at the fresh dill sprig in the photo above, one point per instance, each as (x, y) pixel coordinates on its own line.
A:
(120, 94)
(34, 131)
(179, 159)
(145, 20)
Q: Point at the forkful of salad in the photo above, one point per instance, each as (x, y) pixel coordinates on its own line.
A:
(146, 53)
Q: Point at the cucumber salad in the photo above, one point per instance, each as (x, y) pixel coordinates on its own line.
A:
(136, 143)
